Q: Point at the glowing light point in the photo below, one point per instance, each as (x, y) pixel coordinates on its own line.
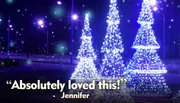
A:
(40, 22)
(12, 44)
(155, 8)
(42, 26)
(59, 2)
(0, 20)
(74, 16)
(153, 2)
(61, 48)
(29, 62)
(10, 26)
(2, 63)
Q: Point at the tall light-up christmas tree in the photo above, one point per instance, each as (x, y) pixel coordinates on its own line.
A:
(86, 68)
(112, 63)
(145, 67)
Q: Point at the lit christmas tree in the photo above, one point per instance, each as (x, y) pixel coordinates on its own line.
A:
(112, 67)
(121, 95)
(145, 67)
(86, 68)
(112, 63)
(176, 98)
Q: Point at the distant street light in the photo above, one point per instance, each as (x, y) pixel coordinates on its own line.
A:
(41, 24)
(74, 16)
(10, 26)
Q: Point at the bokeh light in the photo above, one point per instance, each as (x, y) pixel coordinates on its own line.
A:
(42, 26)
(1, 18)
(178, 6)
(74, 16)
(10, 1)
(40, 22)
(155, 8)
(22, 42)
(10, 26)
(12, 44)
(29, 62)
(61, 48)
(2, 63)
(57, 11)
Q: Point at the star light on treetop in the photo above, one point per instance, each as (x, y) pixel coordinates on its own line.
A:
(153, 2)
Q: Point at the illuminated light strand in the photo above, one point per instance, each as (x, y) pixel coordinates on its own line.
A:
(146, 47)
(112, 63)
(148, 71)
(145, 59)
(150, 85)
(86, 69)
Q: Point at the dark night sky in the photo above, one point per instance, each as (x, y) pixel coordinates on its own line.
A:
(24, 13)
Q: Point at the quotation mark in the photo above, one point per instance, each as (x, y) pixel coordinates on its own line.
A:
(8, 82)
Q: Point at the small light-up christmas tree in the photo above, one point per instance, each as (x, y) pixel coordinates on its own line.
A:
(112, 63)
(86, 68)
(145, 67)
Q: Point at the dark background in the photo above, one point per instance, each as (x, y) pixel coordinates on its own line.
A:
(25, 13)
